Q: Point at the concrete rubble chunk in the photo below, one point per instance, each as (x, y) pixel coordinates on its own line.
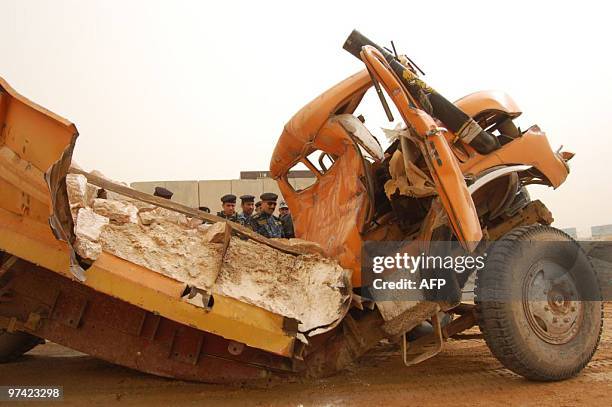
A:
(304, 245)
(80, 193)
(149, 216)
(214, 233)
(116, 211)
(87, 249)
(166, 248)
(146, 217)
(310, 288)
(89, 224)
(76, 185)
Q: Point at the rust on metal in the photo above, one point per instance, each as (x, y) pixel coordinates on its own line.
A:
(535, 212)
(425, 347)
(110, 329)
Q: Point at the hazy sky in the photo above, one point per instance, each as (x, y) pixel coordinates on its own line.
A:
(169, 90)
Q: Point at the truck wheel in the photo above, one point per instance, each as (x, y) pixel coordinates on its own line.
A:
(15, 344)
(526, 303)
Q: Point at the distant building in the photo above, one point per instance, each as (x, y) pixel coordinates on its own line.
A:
(572, 232)
(208, 192)
(601, 231)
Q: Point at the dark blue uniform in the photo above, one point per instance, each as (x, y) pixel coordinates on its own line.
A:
(233, 218)
(267, 225)
(287, 222)
(245, 219)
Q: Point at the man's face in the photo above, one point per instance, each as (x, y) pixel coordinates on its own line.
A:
(268, 207)
(248, 207)
(229, 208)
(283, 211)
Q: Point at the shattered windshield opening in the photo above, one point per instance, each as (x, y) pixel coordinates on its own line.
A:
(375, 119)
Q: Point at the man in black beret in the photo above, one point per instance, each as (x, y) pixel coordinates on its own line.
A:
(287, 220)
(264, 222)
(257, 206)
(163, 193)
(247, 203)
(228, 203)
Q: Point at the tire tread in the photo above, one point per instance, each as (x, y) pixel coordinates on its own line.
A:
(492, 316)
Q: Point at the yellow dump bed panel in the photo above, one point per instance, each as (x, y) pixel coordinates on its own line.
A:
(35, 153)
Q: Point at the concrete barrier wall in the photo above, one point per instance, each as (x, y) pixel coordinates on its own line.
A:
(185, 192)
(601, 230)
(247, 187)
(209, 192)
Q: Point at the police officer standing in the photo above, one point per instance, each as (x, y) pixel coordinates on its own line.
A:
(264, 222)
(247, 203)
(287, 220)
(228, 203)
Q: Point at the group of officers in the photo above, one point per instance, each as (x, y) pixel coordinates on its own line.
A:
(257, 216)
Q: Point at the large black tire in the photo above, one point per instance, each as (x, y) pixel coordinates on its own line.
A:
(13, 345)
(550, 339)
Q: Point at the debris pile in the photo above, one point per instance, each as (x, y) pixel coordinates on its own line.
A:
(311, 288)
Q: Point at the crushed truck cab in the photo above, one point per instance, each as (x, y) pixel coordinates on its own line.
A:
(151, 284)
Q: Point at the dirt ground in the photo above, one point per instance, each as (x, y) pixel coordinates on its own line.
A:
(464, 374)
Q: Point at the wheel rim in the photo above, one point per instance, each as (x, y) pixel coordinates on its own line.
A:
(550, 302)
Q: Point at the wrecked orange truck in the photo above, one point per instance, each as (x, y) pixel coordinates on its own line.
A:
(453, 172)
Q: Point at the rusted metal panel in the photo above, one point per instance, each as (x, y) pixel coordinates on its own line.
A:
(69, 308)
(228, 317)
(187, 345)
(120, 316)
(113, 330)
(150, 326)
(535, 212)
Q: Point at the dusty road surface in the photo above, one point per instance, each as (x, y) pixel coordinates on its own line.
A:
(464, 374)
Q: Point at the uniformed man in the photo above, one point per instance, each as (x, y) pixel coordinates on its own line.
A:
(204, 209)
(258, 207)
(287, 220)
(247, 203)
(264, 222)
(163, 193)
(228, 203)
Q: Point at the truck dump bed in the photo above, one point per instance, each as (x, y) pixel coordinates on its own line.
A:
(142, 281)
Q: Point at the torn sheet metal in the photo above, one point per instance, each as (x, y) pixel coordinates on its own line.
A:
(409, 181)
(36, 150)
(362, 135)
